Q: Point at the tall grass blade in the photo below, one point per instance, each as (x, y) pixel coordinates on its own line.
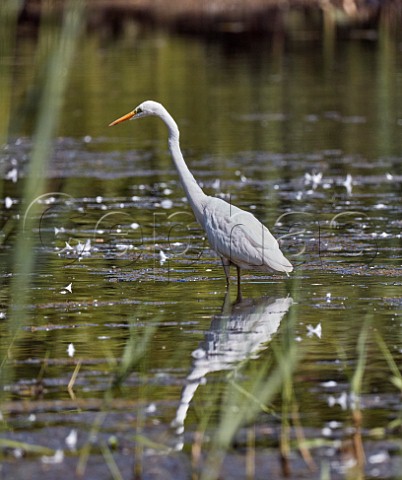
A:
(58, 63)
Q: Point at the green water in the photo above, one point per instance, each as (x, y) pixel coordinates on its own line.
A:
(256, 122)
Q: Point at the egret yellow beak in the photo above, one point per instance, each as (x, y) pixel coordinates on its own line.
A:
(125, 117)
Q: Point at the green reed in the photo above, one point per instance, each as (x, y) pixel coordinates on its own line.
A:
(271, 380)
(55, 64)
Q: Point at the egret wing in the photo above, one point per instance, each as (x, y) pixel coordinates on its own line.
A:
(241, 238)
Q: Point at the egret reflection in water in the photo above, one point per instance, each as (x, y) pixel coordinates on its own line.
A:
(240, 332)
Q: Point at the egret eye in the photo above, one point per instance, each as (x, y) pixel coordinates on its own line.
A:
(138, 110)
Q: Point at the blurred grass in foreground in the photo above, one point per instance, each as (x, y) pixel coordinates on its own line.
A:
(56, 65)
(55, 58)
(240, 408)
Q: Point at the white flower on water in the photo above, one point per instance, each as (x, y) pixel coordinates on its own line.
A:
(317, 330)
(348, 183)
(84, 249)
(162, 257)
(70, 350)
(59, 230)
(58, 457)
(68, 246)
(151, 408)
(342, 401)
(313, 179)
(71, 439)
(12, 175)
(67, 289)
(166, 203)
(380, 457)
(216, 184)
(8, 202)
(329, 384)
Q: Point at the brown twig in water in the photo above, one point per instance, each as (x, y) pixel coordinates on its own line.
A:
(70, 386)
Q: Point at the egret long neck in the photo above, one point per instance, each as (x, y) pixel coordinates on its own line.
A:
(195, 195)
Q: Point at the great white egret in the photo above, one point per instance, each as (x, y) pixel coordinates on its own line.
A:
(237, 236)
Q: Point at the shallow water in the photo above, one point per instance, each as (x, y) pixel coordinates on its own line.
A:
(310, 145)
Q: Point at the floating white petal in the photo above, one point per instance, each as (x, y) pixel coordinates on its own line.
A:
(162, 257)
(317, 330)
(71, 350)
(58, 457)
(71, 439)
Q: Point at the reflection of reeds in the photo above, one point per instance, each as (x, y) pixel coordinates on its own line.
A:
(8, 21)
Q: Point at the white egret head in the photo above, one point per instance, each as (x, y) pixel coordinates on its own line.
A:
(145, 109)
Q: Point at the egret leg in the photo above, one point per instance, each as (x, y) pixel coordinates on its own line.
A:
(239, 296)
(226, 268)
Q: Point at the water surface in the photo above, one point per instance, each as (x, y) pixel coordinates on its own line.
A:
(310, 144)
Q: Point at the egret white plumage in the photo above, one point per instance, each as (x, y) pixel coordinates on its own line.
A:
(236, 235)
